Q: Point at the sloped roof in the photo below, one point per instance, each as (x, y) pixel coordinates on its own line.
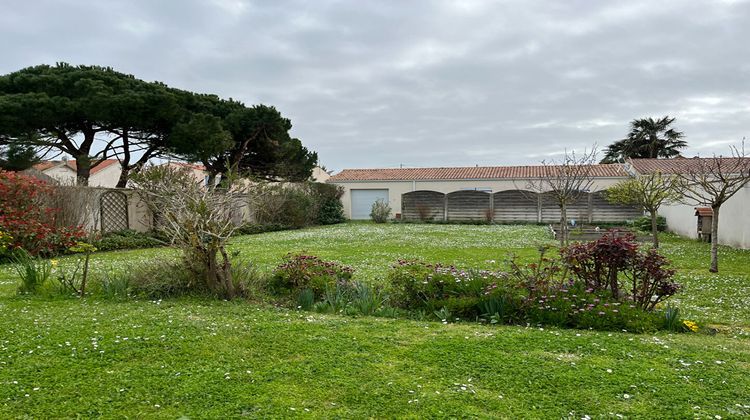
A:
(188, 165)
(680, 165)
(704, 211)
(615, 170)
(71, 164)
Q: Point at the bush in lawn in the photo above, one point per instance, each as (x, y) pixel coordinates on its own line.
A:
(572, 305)
(644, 224)
(416, 285)
(331, 211)
(256, 228)
(380, 211)
(163, 278)
(615, 264)
(301, 272)
(199, 220)
(126, 239)
(297, 205)
(25, 217)
(544, 292)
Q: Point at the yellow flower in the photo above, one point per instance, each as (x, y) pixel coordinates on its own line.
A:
(53, 263)
(690, 325)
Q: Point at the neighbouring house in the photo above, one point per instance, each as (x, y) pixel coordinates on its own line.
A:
(197, 171)
(105, 174)
(496, 193)
(683, 218)
(320, 175)
(201, 175)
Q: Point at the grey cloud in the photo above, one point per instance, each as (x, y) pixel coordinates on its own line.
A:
(424, 83)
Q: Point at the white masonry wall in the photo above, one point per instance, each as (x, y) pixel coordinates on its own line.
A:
(734, 220)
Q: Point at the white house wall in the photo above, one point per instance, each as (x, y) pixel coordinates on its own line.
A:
(397, 188)
(106, 177)
(734, 223)
(63, 174)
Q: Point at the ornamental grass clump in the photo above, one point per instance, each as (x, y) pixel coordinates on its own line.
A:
(34, 272)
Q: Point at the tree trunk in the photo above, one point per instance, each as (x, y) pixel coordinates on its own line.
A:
(219, 275)
(124, 174)
(85, 275)
(83, 170)
(613, 283)
(227, 273)
(655, 228)
(124, 161)
(563, 225)
(715, 241)
(211, 181)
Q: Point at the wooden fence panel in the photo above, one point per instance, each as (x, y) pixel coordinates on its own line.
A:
(515, 206)
(510, 206)
(578, 210)
(604, 211)
(469, 205)
(423, 206)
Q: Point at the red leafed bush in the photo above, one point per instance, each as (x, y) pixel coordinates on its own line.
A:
(614, 262)
(25, 216)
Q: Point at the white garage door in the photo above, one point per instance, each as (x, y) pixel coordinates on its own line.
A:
(362, 201)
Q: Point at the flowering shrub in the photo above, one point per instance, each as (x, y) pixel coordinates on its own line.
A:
(25, 217)
(571, 304)
(614, 262)
(300, 272)
(573, 290)
(432, 287)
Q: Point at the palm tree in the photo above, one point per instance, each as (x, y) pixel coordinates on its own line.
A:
(648, 138)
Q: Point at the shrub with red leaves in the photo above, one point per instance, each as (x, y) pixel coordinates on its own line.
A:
(615, 260)
(24, 215)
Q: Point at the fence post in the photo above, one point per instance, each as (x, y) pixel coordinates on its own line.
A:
(539, 208)
(445, 207)
(492, 209)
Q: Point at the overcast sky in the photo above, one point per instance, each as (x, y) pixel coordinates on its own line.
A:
(423, 83)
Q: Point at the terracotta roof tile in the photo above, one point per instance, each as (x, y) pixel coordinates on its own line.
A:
(678, 165)
(194, 166)
(71, 164)
(43, 166)
(704, 211)
(464, 173)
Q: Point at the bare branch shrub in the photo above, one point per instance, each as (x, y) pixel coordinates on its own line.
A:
(197, 219)
(566, 180)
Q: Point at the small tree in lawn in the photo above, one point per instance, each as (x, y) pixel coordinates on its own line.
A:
(713, 181)
(197, 219)
(649, 191)
(566, 180)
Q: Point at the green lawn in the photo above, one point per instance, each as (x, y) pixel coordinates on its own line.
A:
(208, 359)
